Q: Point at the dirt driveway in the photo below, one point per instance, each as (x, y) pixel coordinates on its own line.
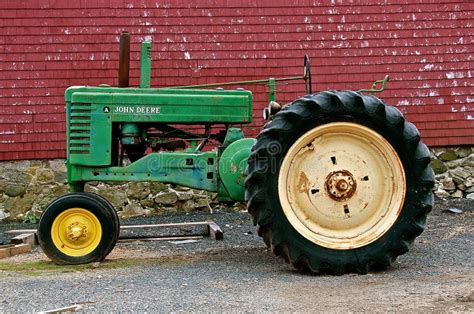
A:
(239, 274)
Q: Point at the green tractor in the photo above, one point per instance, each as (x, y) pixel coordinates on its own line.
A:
(336, 182)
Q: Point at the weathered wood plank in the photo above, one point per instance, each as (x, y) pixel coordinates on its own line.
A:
(20, 231)
(28, 238)
(67, 309)
(215, 231)
(161, 239)
(20, 249)
(12, 250)
(4, 251)
(171, 225)
(199, 228)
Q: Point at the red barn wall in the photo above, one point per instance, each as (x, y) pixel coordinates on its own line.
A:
(426, 46)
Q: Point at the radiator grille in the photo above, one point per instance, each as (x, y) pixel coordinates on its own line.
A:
(80, 128)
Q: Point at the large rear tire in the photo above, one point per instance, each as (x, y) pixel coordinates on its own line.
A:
(339, 182)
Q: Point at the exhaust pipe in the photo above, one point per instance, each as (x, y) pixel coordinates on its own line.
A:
(124, 60)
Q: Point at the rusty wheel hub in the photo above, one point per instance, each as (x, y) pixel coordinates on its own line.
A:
(340, 185)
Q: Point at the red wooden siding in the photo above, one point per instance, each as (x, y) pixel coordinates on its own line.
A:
(426, 46)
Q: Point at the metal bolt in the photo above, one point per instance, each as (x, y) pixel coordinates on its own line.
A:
(342, 185)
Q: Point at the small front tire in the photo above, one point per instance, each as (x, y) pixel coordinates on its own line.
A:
(78, 228)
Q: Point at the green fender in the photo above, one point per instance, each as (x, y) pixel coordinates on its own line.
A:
(232, 165)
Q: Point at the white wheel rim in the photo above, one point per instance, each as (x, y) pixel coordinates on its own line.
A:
(341, 185)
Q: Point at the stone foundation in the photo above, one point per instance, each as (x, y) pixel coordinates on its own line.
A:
(454, 170)
(28, 186)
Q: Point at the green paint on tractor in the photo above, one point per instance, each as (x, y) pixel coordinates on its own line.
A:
(102, 122)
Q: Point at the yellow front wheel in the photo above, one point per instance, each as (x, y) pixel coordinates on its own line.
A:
(78, 228)
(76, 232)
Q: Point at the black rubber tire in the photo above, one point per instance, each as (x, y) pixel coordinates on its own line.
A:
(106, 215)
(116, 220)
(270, 149)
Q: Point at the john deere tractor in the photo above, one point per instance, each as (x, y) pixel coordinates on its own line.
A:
(336, 181)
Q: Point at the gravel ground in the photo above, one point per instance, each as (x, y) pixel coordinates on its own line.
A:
(240, 274)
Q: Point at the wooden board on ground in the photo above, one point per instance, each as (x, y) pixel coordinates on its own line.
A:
(188, 229)
(28, 238)
(12, 250)
(184, 229)
(5, 250)
(20, 231)
(163, 239)
(215, 231)
(67, 309)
